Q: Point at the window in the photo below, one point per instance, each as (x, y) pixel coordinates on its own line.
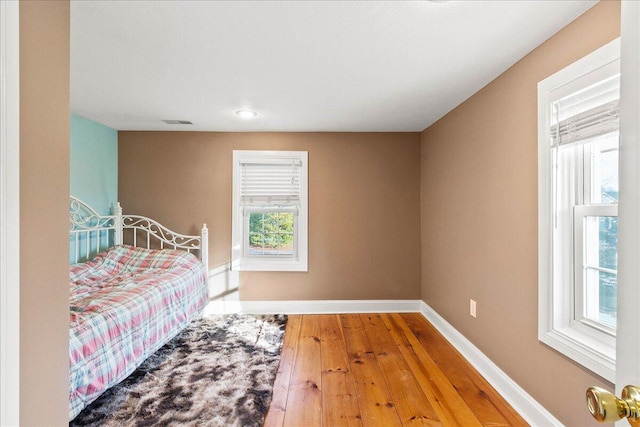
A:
(578, 209)
(270, 210)
(596, 235)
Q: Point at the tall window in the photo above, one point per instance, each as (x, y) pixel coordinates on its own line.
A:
(578, 209)
(270, 210)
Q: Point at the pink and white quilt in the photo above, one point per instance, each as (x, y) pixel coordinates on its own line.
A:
(124, 305)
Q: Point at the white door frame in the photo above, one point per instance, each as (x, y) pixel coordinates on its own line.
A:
(9, 213)
(628, 338)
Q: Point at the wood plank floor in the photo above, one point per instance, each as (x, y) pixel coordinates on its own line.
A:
(378, 370)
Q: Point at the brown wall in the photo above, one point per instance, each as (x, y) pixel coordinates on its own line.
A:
(44, 212)
(480, 223)
(364, 202)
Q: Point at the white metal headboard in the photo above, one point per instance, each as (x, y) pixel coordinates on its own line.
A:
(91, 233)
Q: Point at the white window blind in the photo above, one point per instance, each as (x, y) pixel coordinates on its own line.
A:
(591, 123)
(270, 182)
(591, 112)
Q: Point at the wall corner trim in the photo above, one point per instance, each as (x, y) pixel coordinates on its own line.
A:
(532, 411)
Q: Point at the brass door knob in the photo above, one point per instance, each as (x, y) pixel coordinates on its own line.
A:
(605, 407)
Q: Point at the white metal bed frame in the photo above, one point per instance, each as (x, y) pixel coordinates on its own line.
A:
(90, 233)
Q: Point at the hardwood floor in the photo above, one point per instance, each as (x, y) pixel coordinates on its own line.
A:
(378, 370)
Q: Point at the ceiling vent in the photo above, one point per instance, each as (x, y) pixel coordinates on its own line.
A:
(178, 122)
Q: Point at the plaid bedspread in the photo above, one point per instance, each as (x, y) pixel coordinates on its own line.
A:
(125, 304)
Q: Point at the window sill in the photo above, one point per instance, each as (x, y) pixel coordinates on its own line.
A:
(585, 350)
(261, 265)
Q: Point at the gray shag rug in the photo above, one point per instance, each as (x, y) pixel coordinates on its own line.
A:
(218, 372)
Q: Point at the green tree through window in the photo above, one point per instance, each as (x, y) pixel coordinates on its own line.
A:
(271, 233)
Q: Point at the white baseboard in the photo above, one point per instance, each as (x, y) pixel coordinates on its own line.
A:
(313, 307)
(532, 411)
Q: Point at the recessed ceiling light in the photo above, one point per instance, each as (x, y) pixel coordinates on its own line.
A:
(246, 114)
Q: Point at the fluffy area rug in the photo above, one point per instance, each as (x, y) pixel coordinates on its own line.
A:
(217, 372)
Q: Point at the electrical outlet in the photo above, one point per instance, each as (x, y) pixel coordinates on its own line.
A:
(472, 308)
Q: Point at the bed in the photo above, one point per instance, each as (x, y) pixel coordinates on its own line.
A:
(134, 284)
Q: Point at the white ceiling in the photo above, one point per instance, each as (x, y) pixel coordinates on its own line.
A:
(303, 66)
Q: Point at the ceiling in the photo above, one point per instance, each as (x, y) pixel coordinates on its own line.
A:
(302, 65)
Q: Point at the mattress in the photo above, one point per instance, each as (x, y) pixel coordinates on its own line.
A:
(124, 305)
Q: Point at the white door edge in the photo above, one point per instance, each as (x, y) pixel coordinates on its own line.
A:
(628, 341)
(9, 214)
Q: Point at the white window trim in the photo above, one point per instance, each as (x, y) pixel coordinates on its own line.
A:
(9, 214)
(239, 261)
(554, 311)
